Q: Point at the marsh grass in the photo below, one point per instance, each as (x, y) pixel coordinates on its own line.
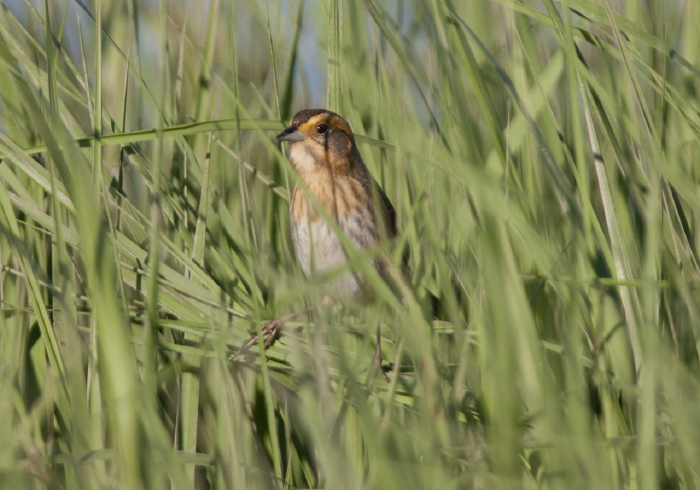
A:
(543, 160)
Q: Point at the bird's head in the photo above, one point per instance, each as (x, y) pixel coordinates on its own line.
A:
(318, 138)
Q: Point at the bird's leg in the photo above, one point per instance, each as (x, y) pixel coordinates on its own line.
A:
(378, 356)
(271, 331)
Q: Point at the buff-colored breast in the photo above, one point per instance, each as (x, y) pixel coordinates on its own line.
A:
(317, 245)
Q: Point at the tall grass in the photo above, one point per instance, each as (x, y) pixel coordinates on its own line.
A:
(543, 158)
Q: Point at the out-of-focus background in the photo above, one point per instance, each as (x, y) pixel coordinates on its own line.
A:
(543, 160)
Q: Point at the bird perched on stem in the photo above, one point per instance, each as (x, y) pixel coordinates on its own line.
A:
(323, 152)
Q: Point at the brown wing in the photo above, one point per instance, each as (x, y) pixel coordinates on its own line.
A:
(388, 219)
(387, 213)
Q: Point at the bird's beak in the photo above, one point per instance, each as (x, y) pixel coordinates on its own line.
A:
(290, 134)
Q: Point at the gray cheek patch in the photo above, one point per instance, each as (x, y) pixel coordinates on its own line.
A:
(338, 142)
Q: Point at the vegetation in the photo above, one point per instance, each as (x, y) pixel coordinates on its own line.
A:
(543, 160)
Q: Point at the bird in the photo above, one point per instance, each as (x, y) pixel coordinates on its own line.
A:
(326, 158)
(324, 153)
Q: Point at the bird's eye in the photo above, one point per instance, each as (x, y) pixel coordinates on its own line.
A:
(321, 128)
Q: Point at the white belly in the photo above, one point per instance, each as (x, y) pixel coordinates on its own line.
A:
(319, 251)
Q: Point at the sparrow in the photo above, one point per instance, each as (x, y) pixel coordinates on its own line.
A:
(325, 156)
(324, 153)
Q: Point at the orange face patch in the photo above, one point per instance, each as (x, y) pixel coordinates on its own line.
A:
(327, 142)
(333, 121)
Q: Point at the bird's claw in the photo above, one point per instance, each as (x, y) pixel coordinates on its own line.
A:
(271, 331)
